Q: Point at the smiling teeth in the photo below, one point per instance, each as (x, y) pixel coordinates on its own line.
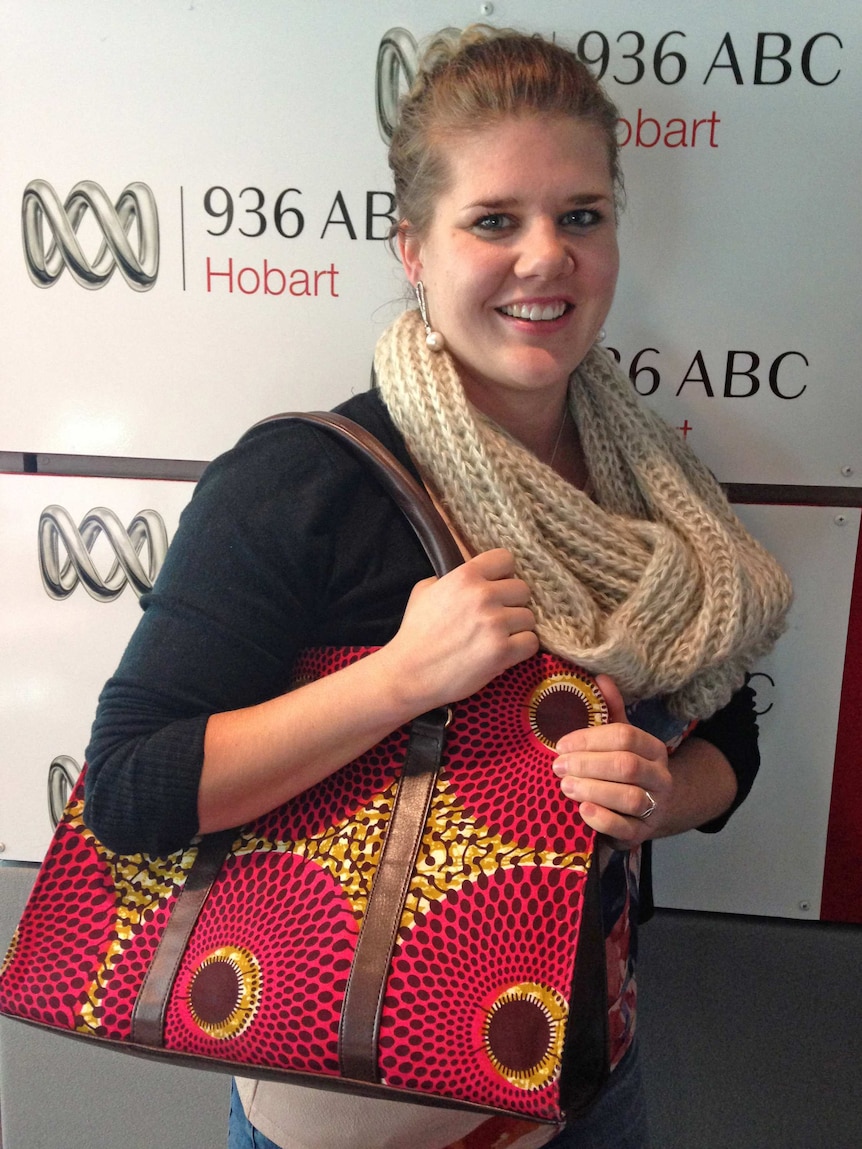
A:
(534, 311)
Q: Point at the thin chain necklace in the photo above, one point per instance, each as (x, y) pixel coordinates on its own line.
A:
(586, 484)
(559, 435)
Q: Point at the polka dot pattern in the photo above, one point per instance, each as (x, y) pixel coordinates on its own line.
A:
(292, 924)
(450, 974)
(505, 782)
(90, 929)
(59, 939)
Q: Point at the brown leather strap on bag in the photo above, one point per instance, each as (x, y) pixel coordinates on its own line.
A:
(148, 1016)
(411, 498)
(363, 998)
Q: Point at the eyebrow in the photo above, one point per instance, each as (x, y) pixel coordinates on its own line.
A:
(578, 200)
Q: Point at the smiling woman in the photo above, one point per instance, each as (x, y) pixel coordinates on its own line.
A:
(520, 264)
(590, 530)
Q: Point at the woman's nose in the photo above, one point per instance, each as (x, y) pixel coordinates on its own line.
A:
(544, 252)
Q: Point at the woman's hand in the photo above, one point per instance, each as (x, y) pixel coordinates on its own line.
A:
(462, 630)
(457, 634)
(615, 773)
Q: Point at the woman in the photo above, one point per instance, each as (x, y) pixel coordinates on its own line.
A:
(587, 524)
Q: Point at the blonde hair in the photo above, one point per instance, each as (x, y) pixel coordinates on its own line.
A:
(469, 80)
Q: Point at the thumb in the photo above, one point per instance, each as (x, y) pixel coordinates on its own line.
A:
(612, 696)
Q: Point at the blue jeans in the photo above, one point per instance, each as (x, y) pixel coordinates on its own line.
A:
(241, 1133)
(618, 1119)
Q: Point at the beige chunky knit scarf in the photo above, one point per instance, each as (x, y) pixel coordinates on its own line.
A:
(656, 582)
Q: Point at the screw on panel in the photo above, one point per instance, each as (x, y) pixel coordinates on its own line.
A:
(486, 9)
(847, 471)
(805, 905)
(840, 520)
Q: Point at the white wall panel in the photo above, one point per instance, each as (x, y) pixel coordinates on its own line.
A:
(58, 652)
(769, 858)
(741, 241)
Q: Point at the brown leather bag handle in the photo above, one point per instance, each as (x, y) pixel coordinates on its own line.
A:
(412, 499)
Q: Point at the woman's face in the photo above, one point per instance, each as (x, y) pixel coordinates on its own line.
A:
(520, 260)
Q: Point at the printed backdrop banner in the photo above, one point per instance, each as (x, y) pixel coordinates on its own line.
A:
(237, 153)
(769, 859)
(78, 553)
(194, 205)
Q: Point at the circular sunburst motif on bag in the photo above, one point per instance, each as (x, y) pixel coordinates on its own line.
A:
(562, 703)
(224, 991)
(523, 1034)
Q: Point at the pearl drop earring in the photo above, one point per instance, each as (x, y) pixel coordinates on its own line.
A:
(433, 339)
(600, 338)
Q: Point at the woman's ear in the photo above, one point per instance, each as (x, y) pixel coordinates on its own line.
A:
(410, 250)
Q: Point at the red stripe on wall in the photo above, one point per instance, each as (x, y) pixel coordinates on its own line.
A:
(842, 875)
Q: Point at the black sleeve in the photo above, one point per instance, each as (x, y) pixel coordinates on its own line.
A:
(733, 730)
(219, 630)
(287, 542)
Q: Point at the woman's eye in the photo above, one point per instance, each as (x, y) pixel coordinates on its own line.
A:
(582, 217)
(492, 222)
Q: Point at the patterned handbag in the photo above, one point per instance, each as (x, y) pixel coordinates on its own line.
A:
(423, 924)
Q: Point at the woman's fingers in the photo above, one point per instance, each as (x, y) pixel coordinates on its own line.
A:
(618, 775)
(464, 629)
(613, 698)
(629, 801)
(520, 619)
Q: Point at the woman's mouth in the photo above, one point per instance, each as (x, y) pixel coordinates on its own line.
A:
(536, 312)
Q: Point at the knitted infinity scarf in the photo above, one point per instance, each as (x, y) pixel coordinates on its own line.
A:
(656, 582)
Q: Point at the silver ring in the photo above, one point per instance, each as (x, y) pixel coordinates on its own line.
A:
(649, 810)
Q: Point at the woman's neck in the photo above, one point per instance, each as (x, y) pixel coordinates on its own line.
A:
(547, 430)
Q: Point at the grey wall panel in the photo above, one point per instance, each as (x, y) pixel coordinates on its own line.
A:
(751, 1032)
(61, 1094)
(58, 1093)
